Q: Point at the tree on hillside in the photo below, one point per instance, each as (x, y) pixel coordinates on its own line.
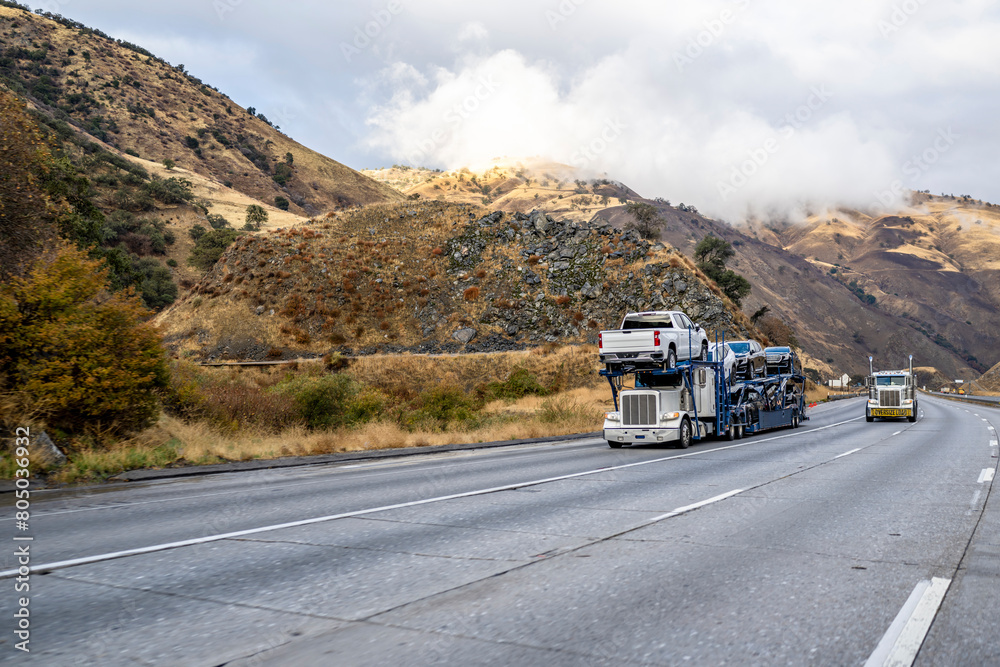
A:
(85, 360)
(647, 219)
(759, 313)
(778, 332)
(256, 216)
(210, 246)
(711, 255)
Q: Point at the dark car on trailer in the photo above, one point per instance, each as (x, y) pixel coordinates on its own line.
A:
(750, 359)
(781, 359)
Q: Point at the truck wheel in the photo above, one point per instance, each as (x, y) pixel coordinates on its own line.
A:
(731, 432)
(868, 417)
(614, 445)
(913, 416)
(671, 362)
(685, 439)
(795, 420)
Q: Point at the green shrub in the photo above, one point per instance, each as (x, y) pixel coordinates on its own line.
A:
(282, 203)
(521, 383)
(324, 401)
(210, 246)
(217, 221)
(439, 407)
(282, 174)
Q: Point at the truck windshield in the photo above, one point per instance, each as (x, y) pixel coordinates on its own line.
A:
(647, 324)
(890, 381)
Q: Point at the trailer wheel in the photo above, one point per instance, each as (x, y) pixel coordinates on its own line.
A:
(795, 420)
(671, 362)
(731, 432)
(685, 439)
(614, 445)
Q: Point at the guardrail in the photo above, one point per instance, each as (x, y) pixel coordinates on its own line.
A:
(840, 397)
(993, 401)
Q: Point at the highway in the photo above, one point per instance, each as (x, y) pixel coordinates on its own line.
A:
(837, 543)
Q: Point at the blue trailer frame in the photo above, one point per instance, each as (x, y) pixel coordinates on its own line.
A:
(782, 395)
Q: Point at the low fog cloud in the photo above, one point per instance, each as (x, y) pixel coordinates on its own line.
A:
(740, 107)
(741, 110)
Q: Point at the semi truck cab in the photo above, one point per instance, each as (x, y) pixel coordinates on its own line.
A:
(891, 394)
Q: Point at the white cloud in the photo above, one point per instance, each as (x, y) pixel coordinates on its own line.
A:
(608, 78)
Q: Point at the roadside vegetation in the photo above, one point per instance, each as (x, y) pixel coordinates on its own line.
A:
(215, 415)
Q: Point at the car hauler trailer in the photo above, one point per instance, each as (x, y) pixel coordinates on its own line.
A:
(693, 401)
(891, 394)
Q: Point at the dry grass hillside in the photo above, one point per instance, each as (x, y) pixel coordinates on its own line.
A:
(934, 264)
(431, 277)
(130, 100)
(835, 328)
(511, 186)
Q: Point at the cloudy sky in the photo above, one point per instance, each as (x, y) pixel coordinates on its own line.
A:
(741, 107)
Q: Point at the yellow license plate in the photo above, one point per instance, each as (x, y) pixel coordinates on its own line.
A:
(890, 412)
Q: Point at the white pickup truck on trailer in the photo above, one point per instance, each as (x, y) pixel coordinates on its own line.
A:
(653, 339)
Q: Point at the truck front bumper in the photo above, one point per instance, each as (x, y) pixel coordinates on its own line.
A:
(633, 436)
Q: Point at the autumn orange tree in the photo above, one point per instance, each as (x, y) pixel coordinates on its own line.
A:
(85, 358)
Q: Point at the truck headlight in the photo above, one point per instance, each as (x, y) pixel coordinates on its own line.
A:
(907, 401)
(613, 416)
(872, 401)
(667, 416)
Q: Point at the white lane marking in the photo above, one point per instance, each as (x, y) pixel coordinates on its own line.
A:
(688, 508)
(987, 475)
(59, 565)
(992, 428)
(993, 443)
(901, 642)
(896, 433)
(975, 499)
(840, 456)
(312, 468)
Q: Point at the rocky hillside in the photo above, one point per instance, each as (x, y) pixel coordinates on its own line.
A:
(432, 277)
(839, 317)
(990, 381)
(127, 99)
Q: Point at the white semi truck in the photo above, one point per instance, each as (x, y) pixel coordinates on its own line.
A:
(665, 407)
(693, 400)
(891, 394)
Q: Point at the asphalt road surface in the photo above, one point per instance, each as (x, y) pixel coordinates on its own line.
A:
(837, 543)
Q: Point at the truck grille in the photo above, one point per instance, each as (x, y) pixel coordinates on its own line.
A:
(889, 399)
(639, 410)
